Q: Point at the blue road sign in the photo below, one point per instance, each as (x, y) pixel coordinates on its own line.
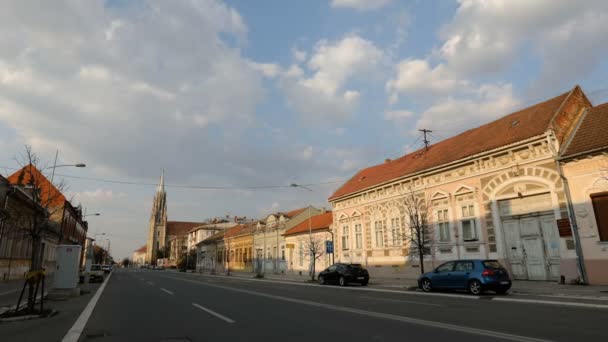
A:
(329, 246)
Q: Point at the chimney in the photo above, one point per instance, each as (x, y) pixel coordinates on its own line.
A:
(387, 160)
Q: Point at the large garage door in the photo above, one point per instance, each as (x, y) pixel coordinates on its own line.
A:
(531, 238)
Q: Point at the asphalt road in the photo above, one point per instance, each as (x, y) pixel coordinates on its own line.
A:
(143, 305)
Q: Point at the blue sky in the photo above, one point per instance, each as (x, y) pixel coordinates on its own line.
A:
(248, 93)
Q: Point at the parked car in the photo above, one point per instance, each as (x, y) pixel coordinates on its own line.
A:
(156, 267)
(96, 274)
(343, 274)
(106, 268)
(476, 276)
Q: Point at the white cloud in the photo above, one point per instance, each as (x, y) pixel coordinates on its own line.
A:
(306, 154)
(454, 115)
(398, 115)
(97, 195)
(330, 68)
(360, 5)
(298, 55)
(267, 69)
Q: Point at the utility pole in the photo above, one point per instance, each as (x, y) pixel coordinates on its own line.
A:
(426, 141)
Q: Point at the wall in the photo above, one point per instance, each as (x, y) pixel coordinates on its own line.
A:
(586, 177)
(299, 261)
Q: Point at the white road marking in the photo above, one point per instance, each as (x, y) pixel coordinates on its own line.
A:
(150, 283)
(346, 288)
(432, 324)
(165, 290)
(603, 298)
(549, 302)
(11, 291)
(74, 333)
(401, 301)
(211, 312)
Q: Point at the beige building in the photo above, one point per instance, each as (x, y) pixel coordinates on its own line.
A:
(307, 241)
(269, 242)
(491, 192)
(585, 165)
(139, 256)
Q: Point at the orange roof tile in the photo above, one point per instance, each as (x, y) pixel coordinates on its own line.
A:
(591, 132)
(50, 196)
(517, 126)
(141, 249)
(177, 228)
(317, 222)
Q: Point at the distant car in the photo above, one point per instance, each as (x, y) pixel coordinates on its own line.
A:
(343, 274)
(106, 268)
(156, 267)
(476, 276)
(96, 274)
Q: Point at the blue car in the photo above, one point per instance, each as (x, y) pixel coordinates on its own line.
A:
(476, 276)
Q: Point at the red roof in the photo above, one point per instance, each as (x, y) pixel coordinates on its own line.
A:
(317, 222)
(591, 134)
(177, 228)
(518, 126)
(295, 212)
(50, 196)
(141, 249)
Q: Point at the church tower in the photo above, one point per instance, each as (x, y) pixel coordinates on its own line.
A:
(158, 222)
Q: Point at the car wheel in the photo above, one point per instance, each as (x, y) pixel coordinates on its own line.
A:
(342, 281)
(501, 291)
(364, 283)
(475, 287)
(426, 285)
(321, 280)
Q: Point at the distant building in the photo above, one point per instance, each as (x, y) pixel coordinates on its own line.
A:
(139, 256)
(308, 238)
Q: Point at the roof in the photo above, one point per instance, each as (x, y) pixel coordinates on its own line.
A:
(591, 134)
(213, 238)
(176, 228)
(523, 124)
(295, 212)
(317, 222)
(213, 226)
(50, 196)
(141, 249)
(241, 229)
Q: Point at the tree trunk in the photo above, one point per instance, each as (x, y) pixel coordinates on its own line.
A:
(34, 266)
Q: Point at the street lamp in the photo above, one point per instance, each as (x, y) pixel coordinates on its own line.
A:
(294, 185)
(62, 165)
(95, 214)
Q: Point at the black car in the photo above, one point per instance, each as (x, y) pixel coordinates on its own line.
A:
(343, 274)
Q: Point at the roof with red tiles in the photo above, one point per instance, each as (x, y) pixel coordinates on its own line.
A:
(141, 249)
(523, 124)
(317, 222)
(177, 228)
(50, 196)
(591, 134)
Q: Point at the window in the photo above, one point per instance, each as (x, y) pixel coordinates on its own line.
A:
(358, 236)
(447, 267)
(600, 207)
(395, 232)
(379, 234)
(345, 242)
(274, 252)
(469, 230)
(464, 266)
(443, 225)
(301, 253)
(283, 252)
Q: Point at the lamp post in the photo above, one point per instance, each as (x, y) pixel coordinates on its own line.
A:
(294, 185)
(63, 165)
(95, 214)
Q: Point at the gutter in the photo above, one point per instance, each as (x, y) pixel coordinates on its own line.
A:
(572, 156)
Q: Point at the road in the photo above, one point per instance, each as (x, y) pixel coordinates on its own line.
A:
(144, 305)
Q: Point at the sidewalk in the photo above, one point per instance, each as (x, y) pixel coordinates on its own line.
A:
(10, 290)
(521, 287)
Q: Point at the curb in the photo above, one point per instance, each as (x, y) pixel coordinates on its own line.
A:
(28, 317)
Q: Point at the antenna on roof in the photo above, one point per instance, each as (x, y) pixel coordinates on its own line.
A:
(426, 141)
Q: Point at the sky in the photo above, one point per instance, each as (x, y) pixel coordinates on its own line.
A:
(241, 94)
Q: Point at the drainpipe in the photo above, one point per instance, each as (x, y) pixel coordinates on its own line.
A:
(574, 227)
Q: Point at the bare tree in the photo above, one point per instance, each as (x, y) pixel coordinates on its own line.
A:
(316, 249)
(417, 234)
(35, 227)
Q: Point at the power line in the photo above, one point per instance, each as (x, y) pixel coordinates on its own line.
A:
(182, 186)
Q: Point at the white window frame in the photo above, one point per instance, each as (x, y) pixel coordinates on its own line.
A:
(472, 219)
(378, 243)
(395, 231)
(358, 236)
(442, 221)
(345, 237)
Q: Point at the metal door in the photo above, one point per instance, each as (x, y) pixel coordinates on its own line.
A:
(515, 251)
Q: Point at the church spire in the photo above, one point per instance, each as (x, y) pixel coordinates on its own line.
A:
(161, 183)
